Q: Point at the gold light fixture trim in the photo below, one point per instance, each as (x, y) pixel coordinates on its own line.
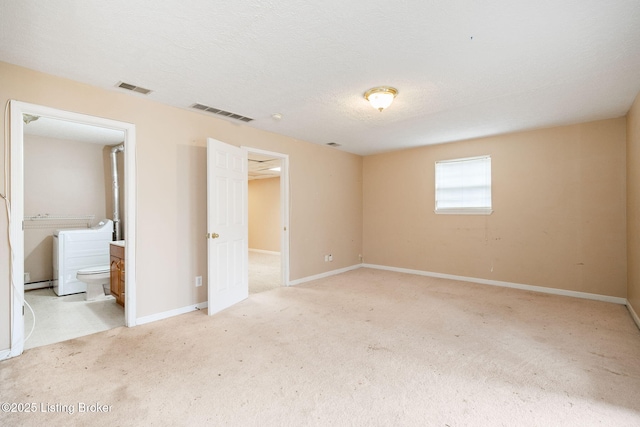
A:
(380, 97)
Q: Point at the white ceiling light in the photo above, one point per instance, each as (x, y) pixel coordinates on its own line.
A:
(381, 97)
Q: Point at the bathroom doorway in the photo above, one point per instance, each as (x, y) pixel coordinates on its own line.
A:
(103, 133)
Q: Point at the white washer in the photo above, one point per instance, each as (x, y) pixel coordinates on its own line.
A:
(78, 249)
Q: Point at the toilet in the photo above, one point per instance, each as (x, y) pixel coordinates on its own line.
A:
(97, 280)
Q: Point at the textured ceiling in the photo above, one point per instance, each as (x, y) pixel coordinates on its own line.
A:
(463, 68)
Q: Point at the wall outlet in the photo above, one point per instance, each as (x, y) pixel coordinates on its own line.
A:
(326, 258)
(198, 281)
(27, 277)
(330, 258)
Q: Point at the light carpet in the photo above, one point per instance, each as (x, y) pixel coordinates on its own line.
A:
(364, 348)
(264, 271)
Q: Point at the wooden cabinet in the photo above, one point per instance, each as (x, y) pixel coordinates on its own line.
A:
(117, 273)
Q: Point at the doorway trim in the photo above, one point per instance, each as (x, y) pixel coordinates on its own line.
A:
(284, 209)
(16, 233)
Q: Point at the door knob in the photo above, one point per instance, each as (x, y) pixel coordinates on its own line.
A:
(213, 235)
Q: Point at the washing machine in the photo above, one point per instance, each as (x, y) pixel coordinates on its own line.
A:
(78, 249)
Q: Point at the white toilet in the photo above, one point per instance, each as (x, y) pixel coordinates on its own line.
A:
(97, 280)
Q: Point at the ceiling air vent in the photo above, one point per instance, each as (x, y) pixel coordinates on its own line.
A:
(333, 144)
(219, 112)
(134, 88)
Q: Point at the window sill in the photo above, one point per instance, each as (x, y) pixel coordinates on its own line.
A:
(469, 211)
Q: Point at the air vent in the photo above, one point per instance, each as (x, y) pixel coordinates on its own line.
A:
(221, 112)
(333, 144)
(134, 88)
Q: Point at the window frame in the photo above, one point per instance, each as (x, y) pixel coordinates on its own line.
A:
(468, 210)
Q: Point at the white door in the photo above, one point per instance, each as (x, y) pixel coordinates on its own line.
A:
(227, 230)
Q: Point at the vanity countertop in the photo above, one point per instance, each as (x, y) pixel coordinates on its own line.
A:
(118, 243)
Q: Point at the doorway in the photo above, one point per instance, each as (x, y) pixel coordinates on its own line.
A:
(19, 110)
(269, 165)
(227, 222)
(264, 194)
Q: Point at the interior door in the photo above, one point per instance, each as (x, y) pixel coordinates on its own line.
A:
(227, 229)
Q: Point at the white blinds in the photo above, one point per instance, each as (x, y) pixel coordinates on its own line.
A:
(464, 185)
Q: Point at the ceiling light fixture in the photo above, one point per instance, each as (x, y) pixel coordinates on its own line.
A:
(380, 97)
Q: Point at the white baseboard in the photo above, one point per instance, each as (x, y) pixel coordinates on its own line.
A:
(262, 251)
(8, 353)
(203, 305)
(532, 288)
(323, 275)
(175, 312)
(634, 315)
(38, 285)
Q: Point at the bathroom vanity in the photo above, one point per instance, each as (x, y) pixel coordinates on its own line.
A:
(116, 250)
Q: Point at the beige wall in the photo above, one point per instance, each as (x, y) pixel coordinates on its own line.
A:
(325, 196)
(60, 178)
(264, 214)
(559, 210)
(633, 205)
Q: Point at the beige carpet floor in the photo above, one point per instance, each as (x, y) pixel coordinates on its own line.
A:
(364, 348)
(264, 271)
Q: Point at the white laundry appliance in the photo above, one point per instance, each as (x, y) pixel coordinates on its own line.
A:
(79, 249)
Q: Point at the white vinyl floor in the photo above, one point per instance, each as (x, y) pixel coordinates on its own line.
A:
(63, 318)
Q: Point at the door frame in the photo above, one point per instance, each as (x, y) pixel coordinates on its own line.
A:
(16, 233)
(284, 209)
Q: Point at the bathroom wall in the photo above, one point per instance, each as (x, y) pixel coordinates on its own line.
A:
(60, 178)
(325, 196)
(264, 214)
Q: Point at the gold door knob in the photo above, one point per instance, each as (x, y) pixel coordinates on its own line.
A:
(214, 235)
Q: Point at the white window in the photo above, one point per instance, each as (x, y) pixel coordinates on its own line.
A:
(463, 186)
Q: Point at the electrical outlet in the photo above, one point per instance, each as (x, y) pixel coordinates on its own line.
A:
(326, 258)
(330, 258)
(198, 281)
